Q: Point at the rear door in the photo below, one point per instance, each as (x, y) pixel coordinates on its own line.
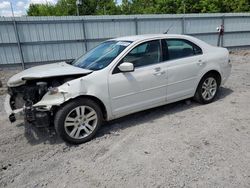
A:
(184, 63)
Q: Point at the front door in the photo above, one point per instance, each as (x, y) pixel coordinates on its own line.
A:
(145, 86)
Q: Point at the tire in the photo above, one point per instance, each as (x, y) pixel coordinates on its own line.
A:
(78, 121)
(209, 84)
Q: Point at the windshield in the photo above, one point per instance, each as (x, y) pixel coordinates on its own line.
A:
(101, 56)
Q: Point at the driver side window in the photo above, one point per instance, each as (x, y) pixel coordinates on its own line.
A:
(144, 54)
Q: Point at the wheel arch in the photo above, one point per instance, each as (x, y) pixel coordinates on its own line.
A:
(214, 72)
(91, 97)
(197, 96)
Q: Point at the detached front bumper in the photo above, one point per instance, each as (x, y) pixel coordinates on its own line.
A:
(13, 114)
(40, 117)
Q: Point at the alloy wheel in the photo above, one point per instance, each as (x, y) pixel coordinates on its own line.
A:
(80, 122)
(209, 88)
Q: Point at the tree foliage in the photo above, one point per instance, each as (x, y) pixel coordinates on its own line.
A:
(109, 7)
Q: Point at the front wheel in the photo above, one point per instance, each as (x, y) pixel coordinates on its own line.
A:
(207, 89)
(78, 121)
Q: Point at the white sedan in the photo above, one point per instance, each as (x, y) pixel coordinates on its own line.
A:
(118, 77)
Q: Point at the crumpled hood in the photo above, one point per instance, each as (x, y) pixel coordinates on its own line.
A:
(45, 71)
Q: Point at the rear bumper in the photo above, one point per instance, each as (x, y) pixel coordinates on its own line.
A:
(226, 73)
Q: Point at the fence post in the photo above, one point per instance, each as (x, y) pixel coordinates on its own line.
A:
(136, 25)
(84, 35)
(222, 23)
(18, 43)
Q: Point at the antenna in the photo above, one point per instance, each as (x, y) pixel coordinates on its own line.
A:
(166, 32)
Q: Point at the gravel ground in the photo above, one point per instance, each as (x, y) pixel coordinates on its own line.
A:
(177, 145)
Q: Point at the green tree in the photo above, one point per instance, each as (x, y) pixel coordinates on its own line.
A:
(211, 6)
(143, 6)
(126, 7)
(33, 10)
(65, 7)
(41, 10)
(68, 7)
(235, 6)
(169, 6)
(109, 7)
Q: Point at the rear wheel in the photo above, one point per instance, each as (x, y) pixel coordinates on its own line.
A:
(207, 89)
(78, 121)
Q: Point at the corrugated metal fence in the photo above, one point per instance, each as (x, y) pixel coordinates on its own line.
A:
(49, 39)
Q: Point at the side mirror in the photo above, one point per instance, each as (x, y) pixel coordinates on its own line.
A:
(126, 67)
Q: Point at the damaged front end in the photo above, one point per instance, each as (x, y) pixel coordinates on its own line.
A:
(34, 93)
(22, 101)
(37, 100)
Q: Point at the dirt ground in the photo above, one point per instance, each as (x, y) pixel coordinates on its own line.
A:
(177, 145)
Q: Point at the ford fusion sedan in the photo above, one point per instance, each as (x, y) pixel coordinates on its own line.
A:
(118, 77)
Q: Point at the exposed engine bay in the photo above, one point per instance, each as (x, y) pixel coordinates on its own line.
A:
(33, 91)
(25, 96)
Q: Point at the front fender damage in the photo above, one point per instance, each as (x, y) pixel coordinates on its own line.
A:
(50, 100)
(64, 93)
(42, 112)
(39, 112)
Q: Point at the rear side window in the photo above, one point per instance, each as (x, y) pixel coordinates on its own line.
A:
(179, 48)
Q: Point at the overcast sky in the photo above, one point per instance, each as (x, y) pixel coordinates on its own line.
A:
(20, 6)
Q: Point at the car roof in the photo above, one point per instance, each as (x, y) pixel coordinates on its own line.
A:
(138, 38)
(134, 38)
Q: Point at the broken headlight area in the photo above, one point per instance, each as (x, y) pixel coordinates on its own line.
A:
(34, 90)
(27, 94)
(23, 99)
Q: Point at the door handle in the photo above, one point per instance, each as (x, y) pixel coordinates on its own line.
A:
(159, 73)
(157, 69)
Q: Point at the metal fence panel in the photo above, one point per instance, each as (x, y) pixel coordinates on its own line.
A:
(50, 39)
(160, 26)
(7, 34)
(197, 25)
(237, 39)
(9, 55)
(97, 30)
(237, 24)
